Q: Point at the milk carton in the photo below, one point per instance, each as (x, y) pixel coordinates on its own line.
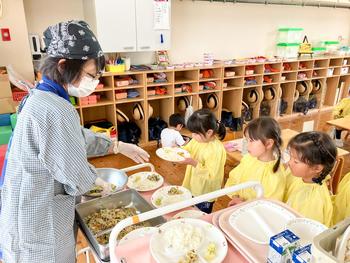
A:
(282, 247)
(302, 255)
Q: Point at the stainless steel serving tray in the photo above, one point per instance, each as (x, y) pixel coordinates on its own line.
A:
(126, 198)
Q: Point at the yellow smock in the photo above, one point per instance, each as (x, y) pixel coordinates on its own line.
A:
(342, 109)
(208, 175)
(252, 169)
(342, 200)
(309, 199)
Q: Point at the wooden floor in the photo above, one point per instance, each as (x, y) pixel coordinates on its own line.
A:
(172, 173)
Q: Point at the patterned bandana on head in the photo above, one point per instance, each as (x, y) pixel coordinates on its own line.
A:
(72, 40)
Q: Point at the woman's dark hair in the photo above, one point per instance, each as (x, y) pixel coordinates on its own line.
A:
(72, 69)
(203, 120)
(176, 119)
(315, 148)
(265, 128)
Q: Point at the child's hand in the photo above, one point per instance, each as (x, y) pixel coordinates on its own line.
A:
(189, 161)
(235, 201)
(231, 147)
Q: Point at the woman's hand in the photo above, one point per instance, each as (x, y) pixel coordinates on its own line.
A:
(131, 151)
(236, 200)
(189, 161)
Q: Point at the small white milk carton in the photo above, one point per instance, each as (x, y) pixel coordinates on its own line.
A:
(282, 246)
(302, 255)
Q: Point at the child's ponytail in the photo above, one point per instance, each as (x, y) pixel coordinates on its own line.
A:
(220, 130)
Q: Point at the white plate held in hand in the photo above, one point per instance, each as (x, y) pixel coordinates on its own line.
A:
(173, 154)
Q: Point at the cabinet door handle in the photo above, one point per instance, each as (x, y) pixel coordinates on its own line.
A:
(128, 48)
(145, 47)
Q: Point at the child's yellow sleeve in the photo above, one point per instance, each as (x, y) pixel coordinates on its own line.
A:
(342, 200)
(235, 176)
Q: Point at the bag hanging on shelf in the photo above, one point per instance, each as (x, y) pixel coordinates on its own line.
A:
(246, 112)
(129, 132)
(189, 111)
(283, 107)
(312, 101)
(265, 108)
(301, 105)
(155, 127)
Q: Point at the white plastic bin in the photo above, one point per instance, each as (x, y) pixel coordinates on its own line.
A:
(331, 46)
(287, 50)
(319, 51)
(290, 35)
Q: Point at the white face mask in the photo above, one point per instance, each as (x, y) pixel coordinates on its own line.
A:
(85, 88)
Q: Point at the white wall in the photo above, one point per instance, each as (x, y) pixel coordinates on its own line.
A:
(42, 13)
(228, 30)
(237, 30)
(16, 51)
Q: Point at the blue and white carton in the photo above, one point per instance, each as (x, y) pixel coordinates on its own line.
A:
(302, 255)
(282, 247)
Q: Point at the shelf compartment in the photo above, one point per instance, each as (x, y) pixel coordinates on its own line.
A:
(98, 113)
(210, 73)
(204, 97)
(186, 76)
(288, 91)
(162, 108)
(335, 62)
(306, 73)
(255, 106)
(232, 101)
(251, 70)
(127, 109)
(121, 94)
(319, 73)
(238, 71)
(290, 66)
(276, 68)
(157, 91)
(209, 86)
(331, 91)
(289, 76)
(321, 63)
(97, 99)
(118, 80)
(248, 81)
(273, 78)
(305, 65)
(270, 101)
(152, 77)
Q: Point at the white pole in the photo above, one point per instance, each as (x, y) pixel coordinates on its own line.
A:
(174, 207)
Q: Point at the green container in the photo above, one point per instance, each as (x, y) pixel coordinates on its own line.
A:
(5, 134)
(72, 100)
(287, 29)
(13, 120)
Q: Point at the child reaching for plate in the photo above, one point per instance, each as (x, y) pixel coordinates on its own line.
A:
(205, 168)
(262, 162)
(312, 157)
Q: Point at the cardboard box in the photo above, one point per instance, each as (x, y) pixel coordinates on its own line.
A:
(5, 87)
(7, 105)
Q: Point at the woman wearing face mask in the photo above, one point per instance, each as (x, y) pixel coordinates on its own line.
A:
(47, 165)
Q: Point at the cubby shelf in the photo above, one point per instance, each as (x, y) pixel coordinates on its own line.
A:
(230, 90)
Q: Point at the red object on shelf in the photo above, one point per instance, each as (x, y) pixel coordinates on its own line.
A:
(3, 149)
(5, 34)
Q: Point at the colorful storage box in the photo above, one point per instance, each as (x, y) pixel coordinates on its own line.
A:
(121, 95)
(5, 119)
(13, 120)
(5, 134)
(115, 68)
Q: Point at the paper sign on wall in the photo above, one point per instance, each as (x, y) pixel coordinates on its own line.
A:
(161, 14)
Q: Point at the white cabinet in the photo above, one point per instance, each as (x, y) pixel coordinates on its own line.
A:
(149, 38)
(125, 25)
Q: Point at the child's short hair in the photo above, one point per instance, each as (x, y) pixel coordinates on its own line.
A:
(203, 120)
(176, 119)
(265, 128)
(315, 148)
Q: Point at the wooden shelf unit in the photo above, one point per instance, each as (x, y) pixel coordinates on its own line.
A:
(230, 90)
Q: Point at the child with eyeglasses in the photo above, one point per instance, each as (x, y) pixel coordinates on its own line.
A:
(312, 157)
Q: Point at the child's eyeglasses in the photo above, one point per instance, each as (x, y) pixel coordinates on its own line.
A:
(94, 77)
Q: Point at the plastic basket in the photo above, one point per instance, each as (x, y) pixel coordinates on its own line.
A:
(290, 35)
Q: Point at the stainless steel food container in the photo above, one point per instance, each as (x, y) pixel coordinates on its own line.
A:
(126, 198)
